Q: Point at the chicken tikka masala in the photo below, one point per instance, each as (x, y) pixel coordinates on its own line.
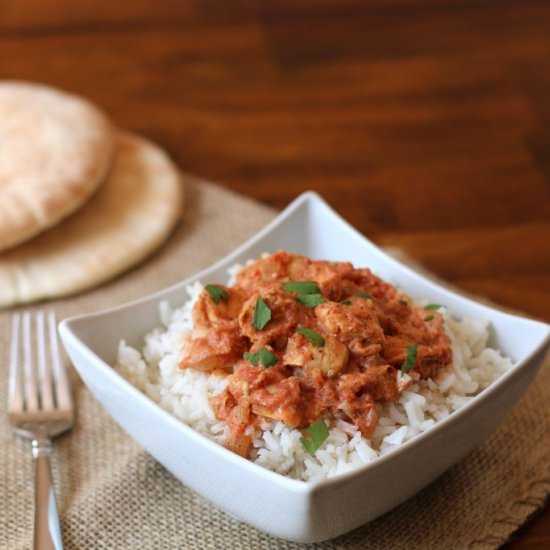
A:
(306, 341)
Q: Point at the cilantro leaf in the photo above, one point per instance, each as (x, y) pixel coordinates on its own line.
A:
(311, 300)
(428, 317)
(346, 302)
(262, 356)
(362, 294)
(314, 337)
(262, 314)
(267, 359)
(314, 436)
(410, 361)
(301, 287)
(217, 293)
(433, 306)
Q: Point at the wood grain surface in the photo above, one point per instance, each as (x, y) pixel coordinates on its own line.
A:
(426, 123)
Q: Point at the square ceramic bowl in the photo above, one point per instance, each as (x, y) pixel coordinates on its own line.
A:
(287, 508)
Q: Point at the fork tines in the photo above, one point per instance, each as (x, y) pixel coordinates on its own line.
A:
(38, 379)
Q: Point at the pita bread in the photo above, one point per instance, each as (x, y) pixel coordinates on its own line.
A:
(55, 150)
(130, 215)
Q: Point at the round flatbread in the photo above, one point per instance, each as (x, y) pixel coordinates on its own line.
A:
(131, 214)
(55, 150)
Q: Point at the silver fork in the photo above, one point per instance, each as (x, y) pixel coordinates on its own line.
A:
(39, 408)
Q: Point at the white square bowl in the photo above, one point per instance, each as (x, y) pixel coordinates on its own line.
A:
(287, 508)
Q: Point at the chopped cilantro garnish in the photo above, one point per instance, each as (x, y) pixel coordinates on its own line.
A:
(428, 317)
(314, 337)
(217, 293)
(301, 287)
(308, 292)
(362, 294)
(267, 359)
(262, 314)
(314, 436)
(433, 306)
(262, 356)
(409, 361)
(311, 300)
(346, 302)
(404, 302)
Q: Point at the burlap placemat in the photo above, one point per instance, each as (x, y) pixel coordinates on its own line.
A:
(112, 495)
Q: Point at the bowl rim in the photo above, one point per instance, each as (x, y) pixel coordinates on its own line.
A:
(66, 329)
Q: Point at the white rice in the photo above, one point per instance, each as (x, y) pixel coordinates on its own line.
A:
(185, 394)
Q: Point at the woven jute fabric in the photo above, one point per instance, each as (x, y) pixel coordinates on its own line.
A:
(113, 495)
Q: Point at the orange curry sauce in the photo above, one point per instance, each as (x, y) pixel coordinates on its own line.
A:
(366, 326)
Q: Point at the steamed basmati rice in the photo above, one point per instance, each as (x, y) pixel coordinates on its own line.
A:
(185, 394)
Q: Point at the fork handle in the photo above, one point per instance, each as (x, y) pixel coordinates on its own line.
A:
(47, 532)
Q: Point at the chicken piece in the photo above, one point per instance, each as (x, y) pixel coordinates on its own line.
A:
(327, 274)
(281, 401)
(216, 342)
(379, 381)
(329, 359)
(271, 269)
(367, 281)
(355, 324)
(394, 350)
(218, 349)
(237, 416)
(286, 314)
(416, 328)
(430, 358)
(433, 347)
(240, 444)
(248, 378)
(222, 404)
(395, 312)
(346, 282)
(362, 412)
(236, 413)
(322, 392)
(257, 391)
(208, 314)
(245, 380)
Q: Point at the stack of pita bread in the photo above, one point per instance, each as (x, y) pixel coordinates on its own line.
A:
(80, 201)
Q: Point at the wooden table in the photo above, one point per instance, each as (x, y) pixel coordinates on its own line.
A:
(425, 123)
